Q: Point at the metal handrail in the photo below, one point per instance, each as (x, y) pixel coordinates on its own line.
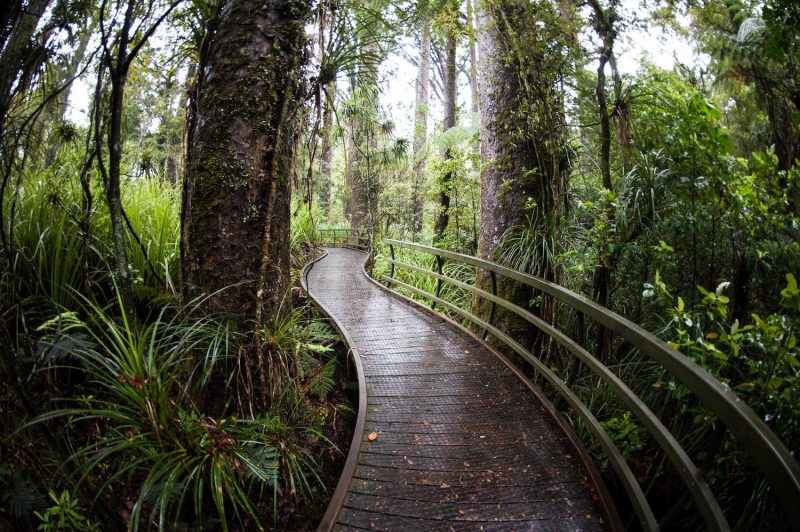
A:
(354, 237)
(778, 466)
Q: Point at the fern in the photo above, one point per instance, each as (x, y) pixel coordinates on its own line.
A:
(322, 382)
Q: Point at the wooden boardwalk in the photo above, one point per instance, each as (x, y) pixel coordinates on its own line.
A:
(462, 442)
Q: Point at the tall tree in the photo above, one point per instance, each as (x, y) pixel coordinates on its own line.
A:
(473, 58)
(21, 54)
(523, 141)
(121, 45)
(450, 73)
(326, 149)
(421, 119)
(235, 212)
(604, 21)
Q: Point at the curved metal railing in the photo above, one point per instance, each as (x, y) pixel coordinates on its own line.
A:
(354, 237)
(778, 466)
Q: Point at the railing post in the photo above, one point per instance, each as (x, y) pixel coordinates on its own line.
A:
(575, 369)
(493, 305)
(438, 289)
(391, 269)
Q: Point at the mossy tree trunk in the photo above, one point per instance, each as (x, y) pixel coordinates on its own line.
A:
(236, 199)
(326, 151)
(522, 145)
(445, 182)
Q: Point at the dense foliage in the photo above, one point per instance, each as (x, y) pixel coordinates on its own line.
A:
(671, 195)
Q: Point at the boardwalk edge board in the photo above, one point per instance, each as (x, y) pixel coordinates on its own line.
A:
(343, 486)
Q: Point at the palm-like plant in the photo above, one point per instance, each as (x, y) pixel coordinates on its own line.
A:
(151, 432)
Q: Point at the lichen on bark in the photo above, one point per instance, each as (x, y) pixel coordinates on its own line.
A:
(235, 213)
(523, 141)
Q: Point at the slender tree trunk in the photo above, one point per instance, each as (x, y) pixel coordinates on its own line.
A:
(118, 74)
(352, 158)
(604, 26)
(365, 184)
(61, 104)
(473, 59)
(443, 218)
(326, 151)
(421, 126)
(235, 219)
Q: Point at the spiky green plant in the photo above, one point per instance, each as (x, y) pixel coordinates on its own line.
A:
(151, 434)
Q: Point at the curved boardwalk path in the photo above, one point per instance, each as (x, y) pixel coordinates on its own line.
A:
(462, 442)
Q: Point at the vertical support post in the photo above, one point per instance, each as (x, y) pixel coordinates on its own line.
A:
(391, 269)
(575, 370)
(333, 243)
(438, 289)
(493, 305)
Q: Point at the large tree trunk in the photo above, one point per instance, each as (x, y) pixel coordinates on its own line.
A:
(421, 125)
(235, 213)
(20, 55)
(522, 139)
(443, 218)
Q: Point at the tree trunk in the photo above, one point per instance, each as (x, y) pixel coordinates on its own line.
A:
(61, 103)
(473, 60)
(19, 56)
(118, 74)
(235, 212)
(522, 143)
(326, 151)
(443, 218)
(604, 269)
(421, 126)
(364, 132)
(350, 157)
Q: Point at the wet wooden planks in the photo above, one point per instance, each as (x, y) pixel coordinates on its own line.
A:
(462, 443)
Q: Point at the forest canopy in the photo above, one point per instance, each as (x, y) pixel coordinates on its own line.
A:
(168, 167)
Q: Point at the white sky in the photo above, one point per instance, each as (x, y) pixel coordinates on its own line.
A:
(399, 76)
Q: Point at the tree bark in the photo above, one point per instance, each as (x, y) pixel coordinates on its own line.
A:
(603, 21)
(522, 143)
(236, 201)
(326, 150)
(473, 59)
(421, 125)
(118, 74)
(443, 217)
(19, 57)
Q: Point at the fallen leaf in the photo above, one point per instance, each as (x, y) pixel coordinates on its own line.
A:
(410, 462)
(372, 436)
(462, 512)
(444, 486)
